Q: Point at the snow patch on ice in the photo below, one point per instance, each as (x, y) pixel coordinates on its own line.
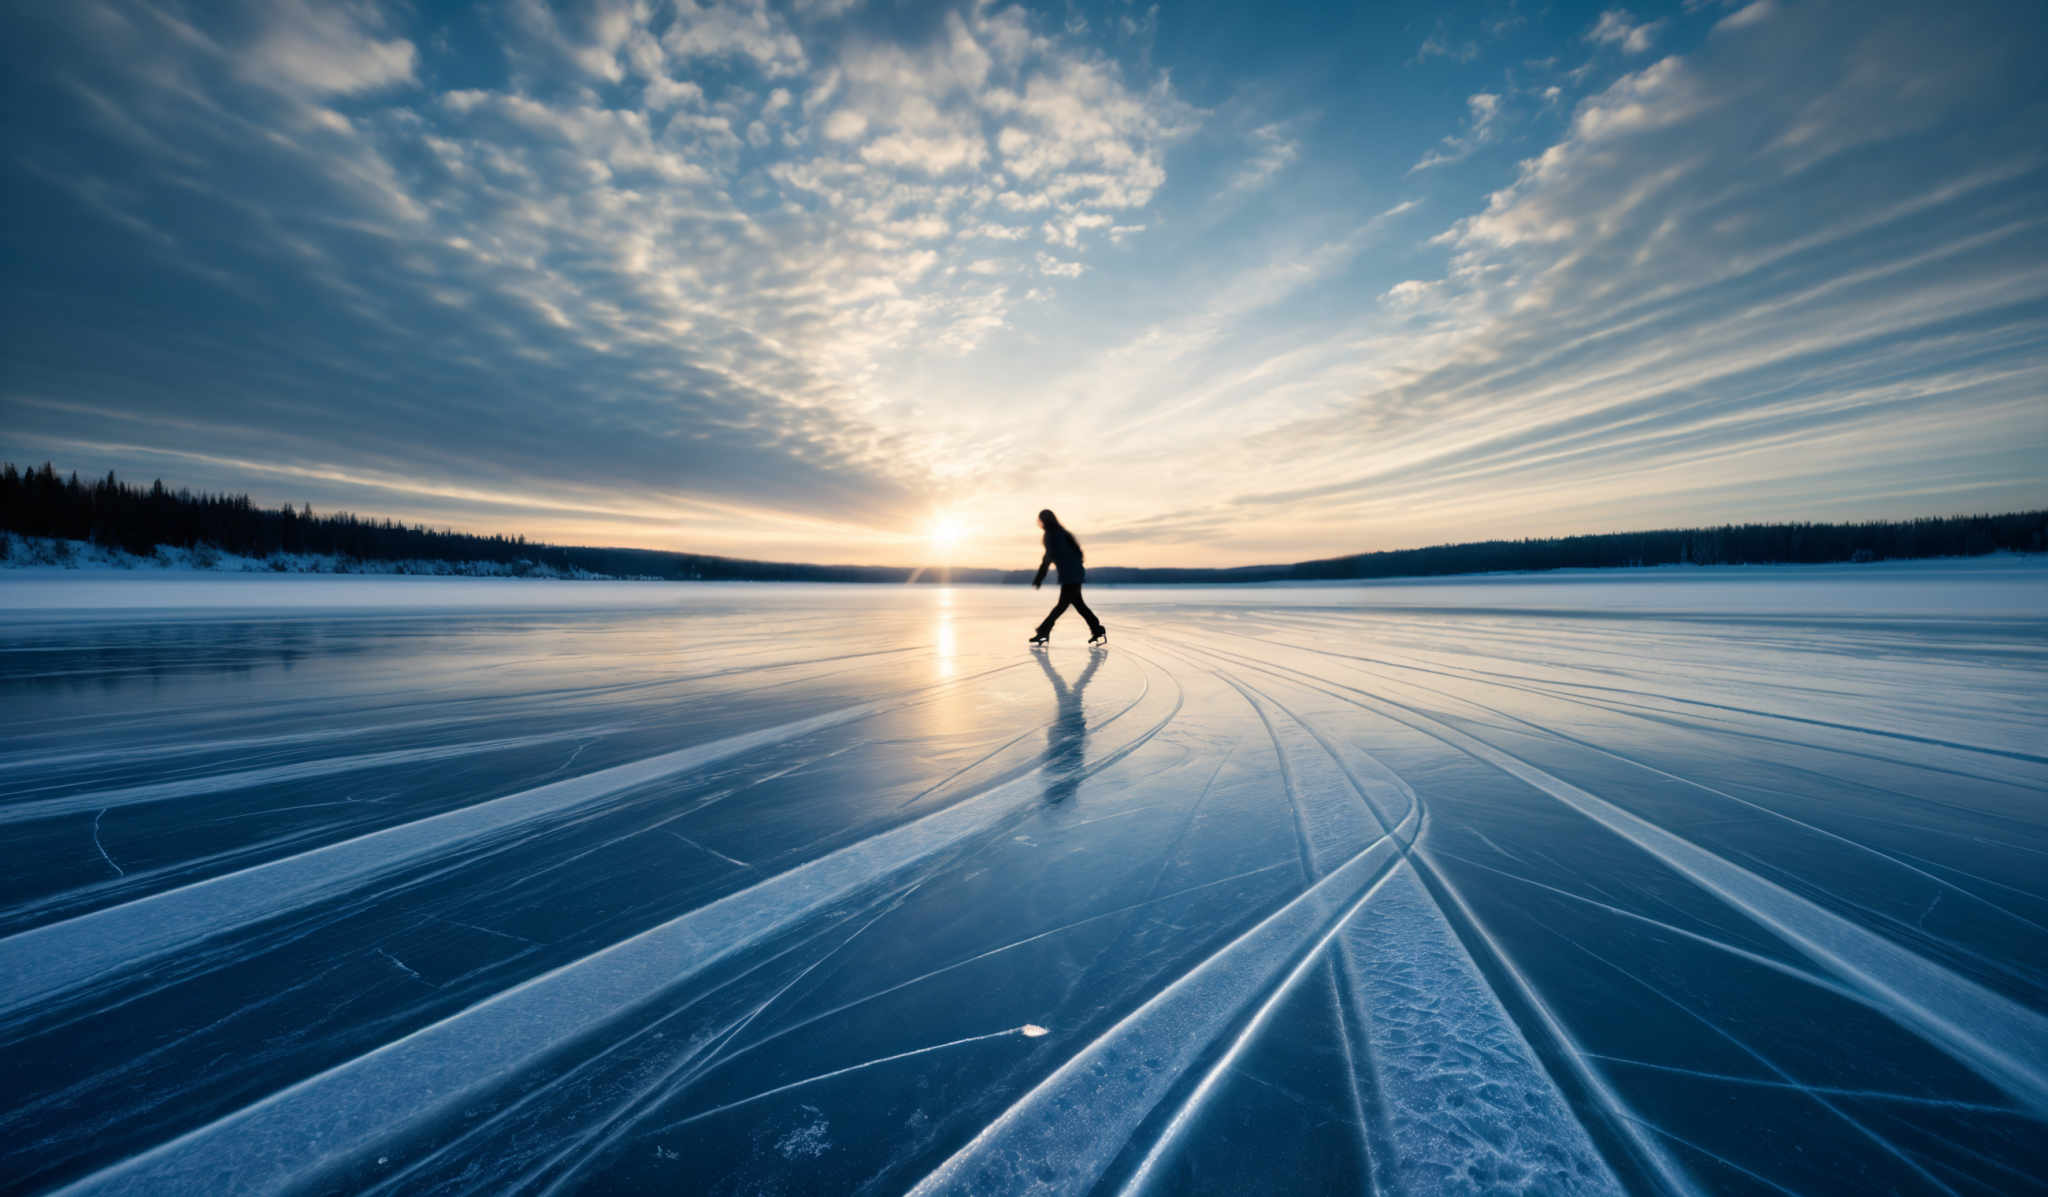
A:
(807, 1141)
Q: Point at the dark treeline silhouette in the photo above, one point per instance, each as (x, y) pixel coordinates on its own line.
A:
(114, 514)
(109, 512)
(1732, 544)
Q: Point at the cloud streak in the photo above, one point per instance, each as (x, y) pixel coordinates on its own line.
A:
(784, 279)
(603, 267)
(1644, 324)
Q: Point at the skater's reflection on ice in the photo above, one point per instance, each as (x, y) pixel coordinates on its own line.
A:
(1067, 738)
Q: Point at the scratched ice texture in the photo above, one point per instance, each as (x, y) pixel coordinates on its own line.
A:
(1713, 881)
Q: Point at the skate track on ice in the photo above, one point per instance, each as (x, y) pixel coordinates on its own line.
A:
(1664, 881)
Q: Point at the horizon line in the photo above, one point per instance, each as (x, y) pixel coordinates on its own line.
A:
(915, 572)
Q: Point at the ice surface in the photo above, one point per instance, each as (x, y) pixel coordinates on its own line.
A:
(1668, 880)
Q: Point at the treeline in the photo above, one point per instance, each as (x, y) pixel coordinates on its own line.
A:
(134, 519)
(1732, 544)
(114, 514)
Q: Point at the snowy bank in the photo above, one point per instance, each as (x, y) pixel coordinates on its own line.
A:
(33, 552)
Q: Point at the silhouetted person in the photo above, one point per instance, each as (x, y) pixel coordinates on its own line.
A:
(1064, 552)
(1067, 736)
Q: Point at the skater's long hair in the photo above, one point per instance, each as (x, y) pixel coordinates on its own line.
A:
(1055, 531)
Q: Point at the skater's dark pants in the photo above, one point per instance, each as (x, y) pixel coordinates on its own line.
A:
(1070, 596)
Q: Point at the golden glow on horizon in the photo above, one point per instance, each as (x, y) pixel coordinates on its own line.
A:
(1124, 517)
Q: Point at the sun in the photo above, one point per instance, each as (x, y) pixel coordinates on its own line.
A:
(946, 533)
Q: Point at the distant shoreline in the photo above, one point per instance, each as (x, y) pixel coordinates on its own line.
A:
(41, 557)
(107, 523)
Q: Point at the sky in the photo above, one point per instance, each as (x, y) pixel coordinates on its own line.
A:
(847, 281)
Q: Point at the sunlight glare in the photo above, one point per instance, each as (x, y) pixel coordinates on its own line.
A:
(947, 532)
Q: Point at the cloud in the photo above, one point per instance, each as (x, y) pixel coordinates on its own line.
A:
(1078, 135)
(1067, 230)
(1482, 111)
(1440, 44)
(636, 260)
(734, 30)
(322, 51)
(1737, 282)
(775, 278)
(1272, 151)
(845, 125)
(929, 153)
(1747, 16)
(1617, 28)
(1047, 264)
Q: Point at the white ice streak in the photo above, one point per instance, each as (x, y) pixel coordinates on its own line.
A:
(294, 1134)
(1463, 1094)
(40, 963)
(1456, 1083)
(2002, 1041)
(1425, 1141)
(244, 779)
(1028, 1031)
(1332, 821)
(1062, 1135)
(45, 961)
(1646, 1138)
(1184, 1117)
(1999, 1039)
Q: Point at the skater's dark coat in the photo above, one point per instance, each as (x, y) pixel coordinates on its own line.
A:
(1061, 551)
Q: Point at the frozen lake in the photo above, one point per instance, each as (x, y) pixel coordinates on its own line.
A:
(1684, 880)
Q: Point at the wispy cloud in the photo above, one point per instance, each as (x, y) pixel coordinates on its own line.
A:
(1641, 316)
(1750, 14)
(1272, 150)
(636, 273)
(1481, 126)
(1440, 44)
(1616, 27)
(328, 51)
(758, 275)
